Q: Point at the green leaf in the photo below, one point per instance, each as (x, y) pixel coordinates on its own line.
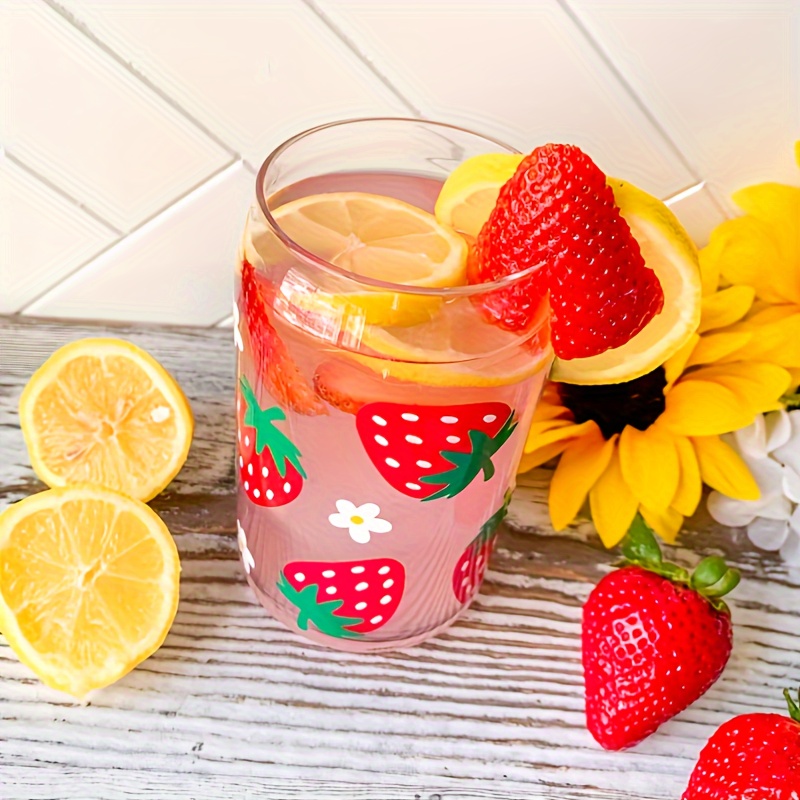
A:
(322, 614)
(268, 436)
(794, 708)
(639, 545)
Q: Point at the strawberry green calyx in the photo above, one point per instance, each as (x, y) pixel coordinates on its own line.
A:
(794, 707)
(262, 420)
(467, 466)
(490, 526)
(712, 578)
(322, 614)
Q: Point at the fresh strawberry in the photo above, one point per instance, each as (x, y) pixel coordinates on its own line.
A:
(269, 463)
(433, 451)
(754, 756)
(557, 212)
(471, 567)
(345, 599)
(281, 376)
(654, 640)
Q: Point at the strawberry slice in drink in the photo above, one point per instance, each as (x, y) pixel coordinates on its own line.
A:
(269, 463)
(276, 368)
(345, 599)
(430, 452)
(558, 213)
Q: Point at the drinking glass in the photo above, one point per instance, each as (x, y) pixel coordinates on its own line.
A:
(380, 424)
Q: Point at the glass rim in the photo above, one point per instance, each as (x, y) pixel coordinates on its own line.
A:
(375, 283)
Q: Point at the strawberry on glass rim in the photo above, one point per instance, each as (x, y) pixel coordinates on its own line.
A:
(557, 213)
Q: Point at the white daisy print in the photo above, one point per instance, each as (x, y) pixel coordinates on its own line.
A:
(237, 334)
(247, 557)
(360, 521)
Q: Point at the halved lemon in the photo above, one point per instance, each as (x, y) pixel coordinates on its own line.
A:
(467, 199)
(88, 585)
(103, 411)
(671, 254)
(457, 348)
(470, 192)
(376, 237)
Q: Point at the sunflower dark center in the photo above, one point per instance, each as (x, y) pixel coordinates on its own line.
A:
(637, 403)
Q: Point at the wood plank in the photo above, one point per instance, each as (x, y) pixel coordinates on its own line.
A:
(235, 705)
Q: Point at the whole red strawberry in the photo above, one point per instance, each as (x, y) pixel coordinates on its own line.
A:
(654, 640)
(753, 756)
(558, 214)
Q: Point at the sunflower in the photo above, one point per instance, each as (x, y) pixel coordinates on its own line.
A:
(760, 252)
(649, 445)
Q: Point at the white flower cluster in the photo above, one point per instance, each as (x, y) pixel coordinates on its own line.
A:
(771, 449)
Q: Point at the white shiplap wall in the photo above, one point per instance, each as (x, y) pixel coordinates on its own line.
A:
(131, 131)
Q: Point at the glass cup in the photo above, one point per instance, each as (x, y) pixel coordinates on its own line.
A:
(380, 424)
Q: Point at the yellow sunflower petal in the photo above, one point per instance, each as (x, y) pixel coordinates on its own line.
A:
(714, 346)
(667, 524)
(539, 427)
(722, 469)
(557, 433)
(612, 503)
(704, 408)
(778, 207)
(649, 465)
(582, 463)
(757, 385)
(546, 410)
(541, 455)
(751, 255)
(776, 337)
(709, 258)
(690, 485)
(725, 307)
(674, 366)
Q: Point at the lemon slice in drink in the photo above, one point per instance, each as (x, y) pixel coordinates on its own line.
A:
(377, 237)
(88, 585)
(105, 412)
(457, 348)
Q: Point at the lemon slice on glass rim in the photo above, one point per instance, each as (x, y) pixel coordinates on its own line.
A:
(375, 237)
(467, 199)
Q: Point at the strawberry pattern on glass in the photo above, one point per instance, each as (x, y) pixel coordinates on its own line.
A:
(429, 452)
(269, 463)
(344, 599)
(471, 567)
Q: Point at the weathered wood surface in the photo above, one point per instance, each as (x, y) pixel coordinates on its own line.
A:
(235, 706)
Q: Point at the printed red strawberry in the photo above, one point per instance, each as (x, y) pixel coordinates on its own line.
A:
(754, 756)
(281, 376)
(433, 451)
(269, 463)
(345, 599)
(557, 212)
(471, 567)
(654, 640)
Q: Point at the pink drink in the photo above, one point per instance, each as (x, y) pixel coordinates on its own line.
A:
(397, 444)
